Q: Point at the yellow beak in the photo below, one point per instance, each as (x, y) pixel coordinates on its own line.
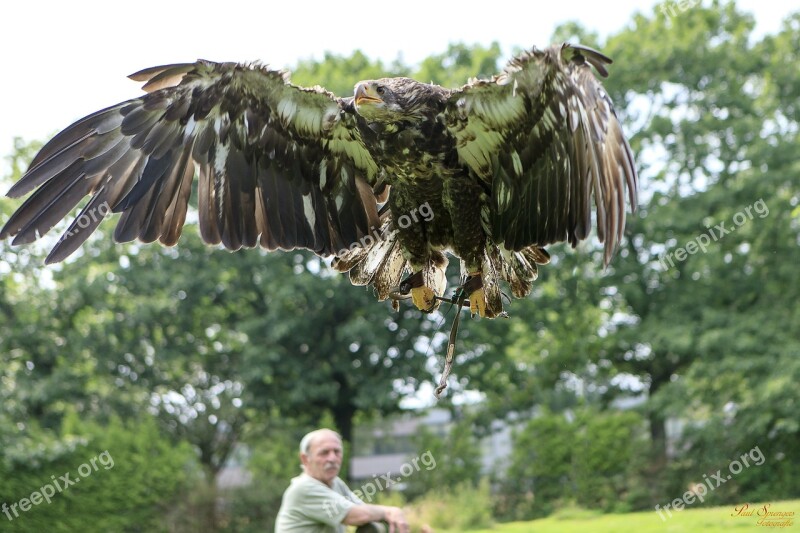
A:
(365, 92)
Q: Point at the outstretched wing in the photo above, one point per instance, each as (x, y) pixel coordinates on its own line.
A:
(279, 165)
(543, 136)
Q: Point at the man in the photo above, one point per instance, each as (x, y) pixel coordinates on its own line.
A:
(318, 501)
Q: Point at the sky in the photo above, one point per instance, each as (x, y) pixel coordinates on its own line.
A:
(63, 60)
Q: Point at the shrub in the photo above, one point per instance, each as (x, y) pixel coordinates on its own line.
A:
(125, 477)
(592, 460)
(462, 508)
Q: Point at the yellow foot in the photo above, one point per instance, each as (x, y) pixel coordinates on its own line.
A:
(477, 303)
(424, 298)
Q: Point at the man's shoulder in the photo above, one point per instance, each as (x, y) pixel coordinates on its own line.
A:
(304, 480)
(299, 483)
(304, 483)
(340, 486)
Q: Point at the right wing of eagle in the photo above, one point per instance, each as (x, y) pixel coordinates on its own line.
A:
(279, 165)
(544, 136)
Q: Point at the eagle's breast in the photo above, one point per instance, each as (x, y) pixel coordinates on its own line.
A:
(409, 153)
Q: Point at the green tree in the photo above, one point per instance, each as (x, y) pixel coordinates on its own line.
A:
(458, 64)
(715, 328)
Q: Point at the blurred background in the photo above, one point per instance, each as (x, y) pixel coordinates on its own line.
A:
(175, 383)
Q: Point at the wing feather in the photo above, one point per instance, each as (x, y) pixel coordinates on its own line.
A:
(545, 136)
(279, 165)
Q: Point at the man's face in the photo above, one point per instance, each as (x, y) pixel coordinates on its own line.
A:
(324, 458)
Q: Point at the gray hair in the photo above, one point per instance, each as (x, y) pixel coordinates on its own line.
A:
(305, 443)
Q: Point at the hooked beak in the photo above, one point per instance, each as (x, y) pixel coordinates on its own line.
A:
(365, 93)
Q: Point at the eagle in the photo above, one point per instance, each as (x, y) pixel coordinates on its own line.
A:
(387, 182)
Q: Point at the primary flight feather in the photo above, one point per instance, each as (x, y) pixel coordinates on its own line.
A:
(386, 181)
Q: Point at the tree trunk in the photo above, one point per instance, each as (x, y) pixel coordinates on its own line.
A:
(658, 437)
(658, 429)
(343, 416)
(343, 413)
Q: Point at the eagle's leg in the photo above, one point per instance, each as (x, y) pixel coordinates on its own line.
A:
(433, 281)
(466, 201)
(427, 282)
(428, 265)
(424, 298)
(473, 287)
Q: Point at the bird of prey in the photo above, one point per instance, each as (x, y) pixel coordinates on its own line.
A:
(387, 181)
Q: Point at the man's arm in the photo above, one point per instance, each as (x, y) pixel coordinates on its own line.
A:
(364, 513)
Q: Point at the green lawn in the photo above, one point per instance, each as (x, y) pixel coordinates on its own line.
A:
(711, 519)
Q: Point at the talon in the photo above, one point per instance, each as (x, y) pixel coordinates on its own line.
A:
(424, 298)
(477, 303)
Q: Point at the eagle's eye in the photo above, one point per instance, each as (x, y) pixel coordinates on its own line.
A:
(381, 90)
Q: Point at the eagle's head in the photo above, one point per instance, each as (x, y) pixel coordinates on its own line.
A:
(392, 100)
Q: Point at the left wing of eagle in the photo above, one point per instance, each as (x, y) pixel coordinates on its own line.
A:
(279, 165)
(543, 136)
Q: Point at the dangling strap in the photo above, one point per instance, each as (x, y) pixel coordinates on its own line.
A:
(458, 300)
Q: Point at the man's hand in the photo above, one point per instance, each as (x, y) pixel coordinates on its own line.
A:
(396, 519)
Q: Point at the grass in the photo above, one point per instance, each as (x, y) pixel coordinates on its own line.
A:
(707, 520)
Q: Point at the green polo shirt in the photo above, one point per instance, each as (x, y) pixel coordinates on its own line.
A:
(311, 506)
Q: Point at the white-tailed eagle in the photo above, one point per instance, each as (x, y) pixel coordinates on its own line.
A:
(387, 181)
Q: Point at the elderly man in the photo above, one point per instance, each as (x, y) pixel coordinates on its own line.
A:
(318, 501)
